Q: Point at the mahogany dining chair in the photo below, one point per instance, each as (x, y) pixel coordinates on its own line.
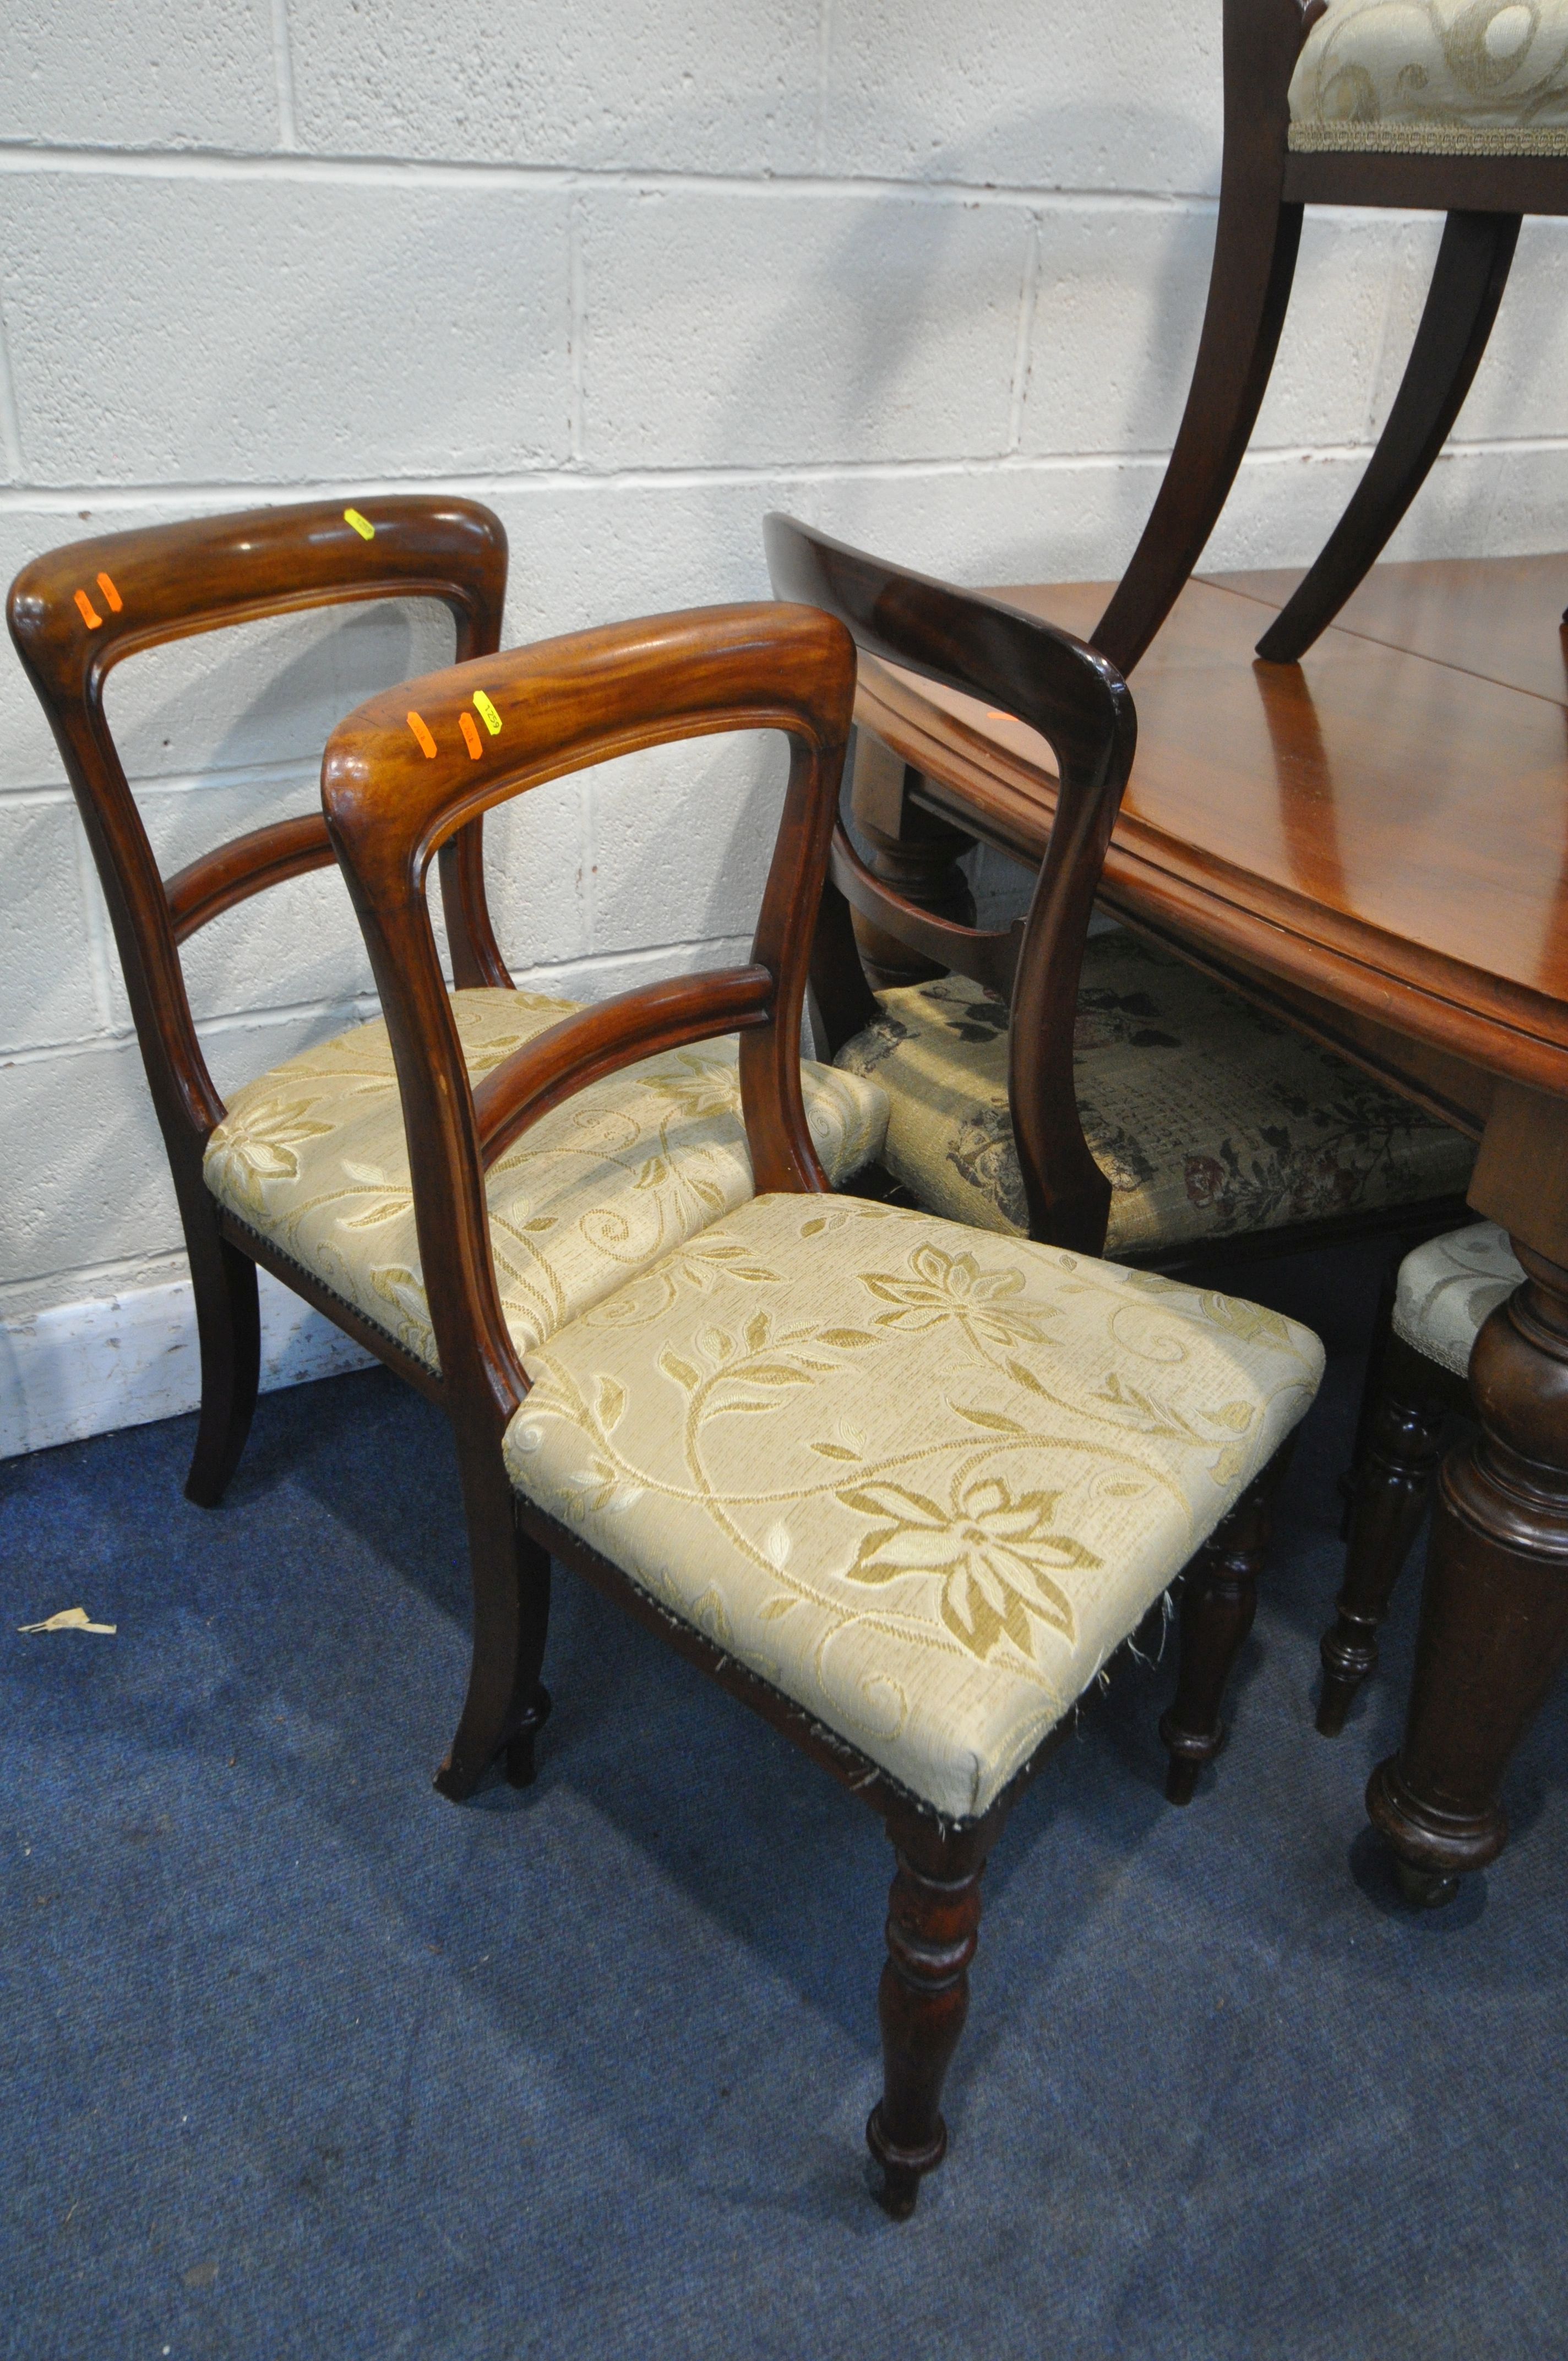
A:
(902, 1488)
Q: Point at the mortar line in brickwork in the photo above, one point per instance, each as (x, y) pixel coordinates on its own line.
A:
(826, 28)
(1028, 296)
(283, 61)
(60, 498)
(577, 318)
(216, 163)
(10, 422)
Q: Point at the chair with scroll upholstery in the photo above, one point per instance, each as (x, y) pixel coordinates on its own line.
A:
(305, 1173)
(1418, 1377)
(1452, 106)
(1217, 1131)
(901, 1486)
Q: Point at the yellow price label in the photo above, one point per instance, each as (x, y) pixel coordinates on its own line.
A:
(487, 713)
(362, 525)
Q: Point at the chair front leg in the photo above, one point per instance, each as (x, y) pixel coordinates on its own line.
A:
(933, 1923)
(1218, 1599)
(1467, 285)
(507, 1704)
(1390, 1487)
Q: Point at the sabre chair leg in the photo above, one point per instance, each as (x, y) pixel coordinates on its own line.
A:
(1218, 1599)
(507, 1704)
(1467, 285)
(1391, 1486)
(1255, 246)
(228, 1327)
(933, 1924)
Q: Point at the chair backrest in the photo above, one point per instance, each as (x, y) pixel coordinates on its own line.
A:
(1082, 707)
(82, 609)
(413, 766)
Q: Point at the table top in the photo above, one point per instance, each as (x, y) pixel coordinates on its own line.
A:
(1384, 825)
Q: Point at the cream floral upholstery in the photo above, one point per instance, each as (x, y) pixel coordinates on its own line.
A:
(921, 1480)
(1205, 1115)
(1434, 77)
(313, 1157)
(1449, 1287)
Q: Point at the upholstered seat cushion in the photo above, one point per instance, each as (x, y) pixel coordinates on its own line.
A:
(1206, 1117)
(1449, 1287)
(313, 1157)
(1434, 77)
(921, 1480)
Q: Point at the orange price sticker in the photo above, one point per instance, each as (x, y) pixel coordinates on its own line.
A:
(111, 593)
(88, 612)
(416, 723)
(487, 713)
(470, 735)
(362, 525)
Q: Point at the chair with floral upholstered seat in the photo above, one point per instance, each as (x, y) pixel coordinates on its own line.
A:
(904, 1488)
(1419, 1374)
(1219, 1130)
(305, 1173)
(1458, 106)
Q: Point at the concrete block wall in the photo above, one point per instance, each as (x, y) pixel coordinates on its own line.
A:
(634, 271)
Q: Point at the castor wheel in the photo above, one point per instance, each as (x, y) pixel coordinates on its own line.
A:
(1425, 1889)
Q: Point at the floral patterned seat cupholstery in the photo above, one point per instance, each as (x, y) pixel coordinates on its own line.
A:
(313, 1157)
(1434, 77)
(1208, 1118)
(922, 1482)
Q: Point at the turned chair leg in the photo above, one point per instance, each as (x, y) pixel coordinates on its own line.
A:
(228, 1326)
(507, 1704)
(933, 1923)
(1391, 1485)
(1218, 1599)
(1467, 285)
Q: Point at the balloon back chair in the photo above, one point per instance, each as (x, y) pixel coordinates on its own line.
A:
(1214, 1132)
(901, 1487)
(305, 1173)
(1418, 104)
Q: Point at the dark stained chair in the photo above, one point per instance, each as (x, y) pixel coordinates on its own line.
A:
(1417, 104)
(1105, 1094)
(902, 1488)
(305, 1173)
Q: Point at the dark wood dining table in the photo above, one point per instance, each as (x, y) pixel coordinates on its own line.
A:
(1374, 844)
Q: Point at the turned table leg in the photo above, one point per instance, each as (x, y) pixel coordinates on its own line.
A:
(1494, 1625)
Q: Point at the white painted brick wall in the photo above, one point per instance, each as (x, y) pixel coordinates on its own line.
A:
(634, 271)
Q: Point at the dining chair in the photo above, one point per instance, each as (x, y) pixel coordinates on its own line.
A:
(1418, 1377)
(1102, 1094)
(1424, 104)
(305, 1172)
(901, 1487)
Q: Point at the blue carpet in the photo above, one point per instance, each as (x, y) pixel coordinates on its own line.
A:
(299, 2060)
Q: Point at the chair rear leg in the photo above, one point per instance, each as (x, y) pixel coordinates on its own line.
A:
(933, 1923)
(1467, 285)
(507, 1704)
(1219, 1600)
(228, 1327)
(1254, 261)
(1391, 1484)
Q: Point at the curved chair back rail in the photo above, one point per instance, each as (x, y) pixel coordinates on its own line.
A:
(1079, 704)
(83, 609)
(391, 805)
